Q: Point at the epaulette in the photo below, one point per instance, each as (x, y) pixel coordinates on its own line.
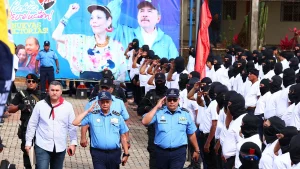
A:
(184, 109)
(95, 111)
(116, 113)
(161, 108)
(92, 99)
(118, 97)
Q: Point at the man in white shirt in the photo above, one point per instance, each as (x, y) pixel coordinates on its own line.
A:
(294, 152)
(50, 123)
(253, 93)
(281, 57)
(272, 127)
(191, 63)
(220, 75)
(249, 134)
(177, 67)
(230, 135)
(282, 159)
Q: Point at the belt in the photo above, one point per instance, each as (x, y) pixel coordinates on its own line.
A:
(251, 108)
(171, 149)
(204, 134)
(106, 151)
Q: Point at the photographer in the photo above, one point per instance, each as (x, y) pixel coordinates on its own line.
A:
(25, 101)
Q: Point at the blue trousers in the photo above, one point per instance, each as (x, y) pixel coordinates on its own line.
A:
(44, 158)
(170, 159)
(46, 73)
(106, 159)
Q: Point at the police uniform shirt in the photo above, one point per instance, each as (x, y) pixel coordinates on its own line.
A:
(116, 105)
(220, 124)
(175, 79)
(267, 156)
(271, 107)
(105, 129)
(262, 103)
(254, 139)
(288, 116)
(47, 59)
(171, 129)
(231, 136)
(283, 101)
(252, 94)
(282, 161)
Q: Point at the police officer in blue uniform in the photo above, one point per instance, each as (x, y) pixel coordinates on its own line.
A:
(173, 125)
(47, 59)
(107, 128)
(118, 105)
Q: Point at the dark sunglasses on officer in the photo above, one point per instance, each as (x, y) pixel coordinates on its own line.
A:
(31, 81)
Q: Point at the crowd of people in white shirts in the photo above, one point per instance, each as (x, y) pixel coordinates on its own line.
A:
(246, 108)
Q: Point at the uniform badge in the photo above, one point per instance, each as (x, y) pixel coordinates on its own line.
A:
(163, 119)
(114, 121)
(98, 120)
(182, 119)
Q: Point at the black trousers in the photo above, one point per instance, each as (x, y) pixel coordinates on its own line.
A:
(46, 73)
(26, 160)
(151, 146)
(230, 162)
(210, 158)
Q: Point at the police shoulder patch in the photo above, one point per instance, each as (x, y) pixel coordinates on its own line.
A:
(161, 108)
(92, 99)
(184, 109)
(118, 97)
(116, 113)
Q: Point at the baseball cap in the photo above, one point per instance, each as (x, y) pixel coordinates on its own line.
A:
(106, 82)
(160, 77)
(107, 74)
(172, 92)
(32, 76)
(154, 4)
(46, 43)
(104, 96)
(105, 9)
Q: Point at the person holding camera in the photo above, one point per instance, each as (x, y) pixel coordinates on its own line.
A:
(107, 128)
(173, 127)
(25, 101)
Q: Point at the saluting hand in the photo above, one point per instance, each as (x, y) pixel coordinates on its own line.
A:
(92, 107)
(161, 102)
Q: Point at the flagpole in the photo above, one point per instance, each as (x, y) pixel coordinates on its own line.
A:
(191, 22)
(197, 19)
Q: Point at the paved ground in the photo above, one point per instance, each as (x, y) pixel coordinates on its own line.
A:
(82, 159)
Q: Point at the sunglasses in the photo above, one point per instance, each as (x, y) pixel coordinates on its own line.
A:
(29, 81)
(172, 99)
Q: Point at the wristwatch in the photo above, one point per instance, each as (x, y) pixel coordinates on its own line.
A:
(126, 155)
(198, 152)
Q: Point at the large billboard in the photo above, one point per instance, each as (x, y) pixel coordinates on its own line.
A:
(90, 36)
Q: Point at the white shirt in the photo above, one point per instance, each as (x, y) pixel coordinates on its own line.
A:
(49, 132)
(143, 78)
(282, 161)
(261, 73)
(282, 102)
(254, 139)
(221, 123)
(296, 116)
(253, 94)
(221, 75)
(209, 115)
(267, 157)
(285, 64)
(230, 137)
(191, 64)
(210, 72)
(182, 100)
(296, 166)
(288, 116)
(175, 79)
(129, 60)
(269, 75)
(149, 38)
(201, 112)
(271, 108)
(262, 103)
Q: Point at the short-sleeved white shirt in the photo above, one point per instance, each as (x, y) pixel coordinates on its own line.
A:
(267, 156)
(175, 79)
(262, 103)
(282, 161)
(209, 115)
(252, 95)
